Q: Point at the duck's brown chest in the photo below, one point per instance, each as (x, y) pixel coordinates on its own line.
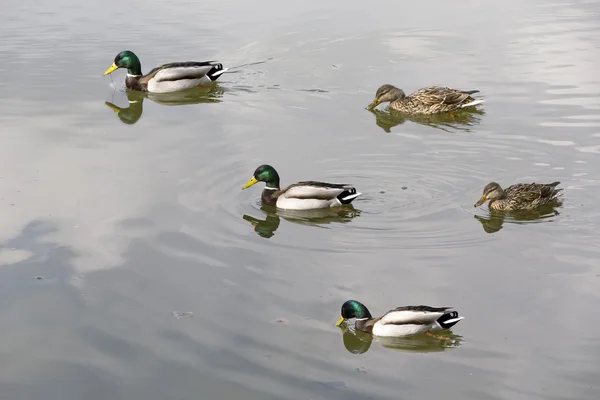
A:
(269, 198)
(135, 83)
(500, 205)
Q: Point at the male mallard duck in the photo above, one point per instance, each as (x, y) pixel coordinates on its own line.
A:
(431, 100)
(401, 321)
(305, 195)
(522, 196)
(166, 78)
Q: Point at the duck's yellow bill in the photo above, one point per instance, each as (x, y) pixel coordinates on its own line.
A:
(251, 182)
(482, 200)
(340, 321)
(112, 69)
(374, 104)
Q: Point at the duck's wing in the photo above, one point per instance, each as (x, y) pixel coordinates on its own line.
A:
(184, 70)
(314, 190)
(442, 95)
(414, 315)
(533, 191)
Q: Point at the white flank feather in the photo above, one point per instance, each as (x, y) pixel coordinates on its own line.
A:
(303, 204)
(399, 330)
(192, 72)
(175, 86)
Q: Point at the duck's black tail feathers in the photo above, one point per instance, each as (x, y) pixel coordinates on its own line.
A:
(551, 191)
(448, 320)
(216, 71)
(348, 195)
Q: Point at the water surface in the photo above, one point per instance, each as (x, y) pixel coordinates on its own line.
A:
(133, 210)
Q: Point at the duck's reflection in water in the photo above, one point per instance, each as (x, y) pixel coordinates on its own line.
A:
(461, 120)
(357, 342)
(494, 221)
(131, 114)
(319, 217)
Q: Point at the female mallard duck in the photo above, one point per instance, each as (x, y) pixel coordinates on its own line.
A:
(431, 100)
(401, 321)
(165, 78)
(305, 195)
(522, 196)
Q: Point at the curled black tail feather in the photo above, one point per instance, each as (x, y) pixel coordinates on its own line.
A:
(348, 195)
(448, 320)
(215, 72)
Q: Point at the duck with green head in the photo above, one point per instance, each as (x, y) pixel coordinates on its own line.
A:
(401, 321)
(166, 78)
(306, 195)
(521, 196)
(430, 100)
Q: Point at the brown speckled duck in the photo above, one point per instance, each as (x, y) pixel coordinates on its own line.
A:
(430, 100)
(521, 196)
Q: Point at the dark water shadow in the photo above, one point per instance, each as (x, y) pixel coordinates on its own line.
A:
(44, 262)
(460, 120)
(319, 217)
(131, 114)
(494, 221)
(357, 342)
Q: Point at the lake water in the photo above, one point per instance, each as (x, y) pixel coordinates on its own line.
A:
(132, 214)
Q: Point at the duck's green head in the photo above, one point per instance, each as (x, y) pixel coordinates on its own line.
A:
(126, 59)
(385, 94)
(353, 309)
(264, 173)
(492, 192)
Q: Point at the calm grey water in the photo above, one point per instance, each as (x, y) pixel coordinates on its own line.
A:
(130, 216)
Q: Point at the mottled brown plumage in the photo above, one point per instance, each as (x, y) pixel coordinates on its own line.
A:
(430, 100)
(521, 196)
